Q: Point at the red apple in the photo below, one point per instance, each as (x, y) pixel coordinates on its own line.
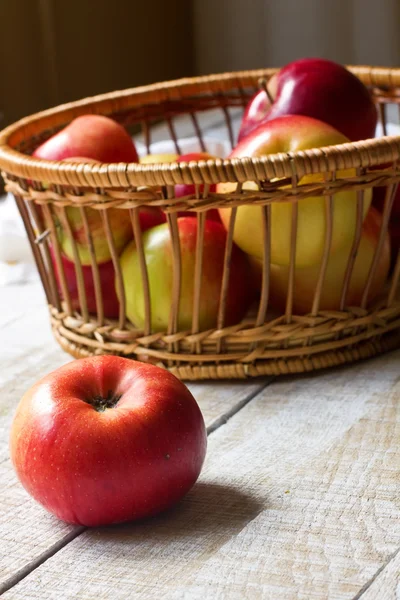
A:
(316, 88)
(291, 134)
(183, 189)
(91, 138)
(306, 278)
(94, 136)
(159, 260)
(107, 285)
(104, 440)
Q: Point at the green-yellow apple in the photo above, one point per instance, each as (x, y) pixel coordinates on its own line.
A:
(291, 134)
(306, 278)
(159, 260)
(316, 88)
(120, 225)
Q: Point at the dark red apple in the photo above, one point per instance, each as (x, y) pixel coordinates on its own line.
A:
(106, 439)
(317, 88)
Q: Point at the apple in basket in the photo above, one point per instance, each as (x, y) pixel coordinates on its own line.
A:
(378, 200)
(291, 134)
(150, 159)
(106, 439)
(158, 252)
(183, 189)
(306, 278)
(316, 88)
(107, 285)
(94, 138)
(188, 189)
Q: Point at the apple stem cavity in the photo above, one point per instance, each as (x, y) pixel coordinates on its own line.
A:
(101, 403)
(263, 86)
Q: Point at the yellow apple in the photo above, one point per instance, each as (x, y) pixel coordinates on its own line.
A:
(150, 159)
(291, 134)
(306, 278)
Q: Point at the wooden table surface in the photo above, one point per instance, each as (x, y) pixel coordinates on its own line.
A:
(299, 496)
(298, 499)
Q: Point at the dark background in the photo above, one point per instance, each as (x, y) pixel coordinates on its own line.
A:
(54, 51)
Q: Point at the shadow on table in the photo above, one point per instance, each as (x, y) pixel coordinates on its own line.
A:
(210, 511)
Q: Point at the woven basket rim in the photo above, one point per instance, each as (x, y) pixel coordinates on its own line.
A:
(360, 154)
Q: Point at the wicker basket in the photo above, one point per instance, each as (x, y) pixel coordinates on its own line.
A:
(263, 343)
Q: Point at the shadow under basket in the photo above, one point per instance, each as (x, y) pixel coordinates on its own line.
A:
(270, 340)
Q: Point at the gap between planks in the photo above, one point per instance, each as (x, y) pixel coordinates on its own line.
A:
(57, 546)
(363, 593)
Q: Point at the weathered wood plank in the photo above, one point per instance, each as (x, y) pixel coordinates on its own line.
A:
(385, 585)
(298, 499)
(28, 352)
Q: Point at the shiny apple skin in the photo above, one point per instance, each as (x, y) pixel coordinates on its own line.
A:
(94, 136)
(320, 89)
(91, 467)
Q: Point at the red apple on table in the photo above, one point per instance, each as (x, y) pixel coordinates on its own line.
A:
(188, 189)
(94, 136)
(306, 278)
(291, 134)
(316, 88)
(159, 260)
(106, 439)
(107, 286)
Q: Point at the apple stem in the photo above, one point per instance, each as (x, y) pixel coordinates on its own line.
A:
(262, 83)
(100, 404)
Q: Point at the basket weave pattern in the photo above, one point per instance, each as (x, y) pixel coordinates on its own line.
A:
(264, 342)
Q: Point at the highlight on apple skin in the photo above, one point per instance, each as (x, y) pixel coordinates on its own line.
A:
(291, 134)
